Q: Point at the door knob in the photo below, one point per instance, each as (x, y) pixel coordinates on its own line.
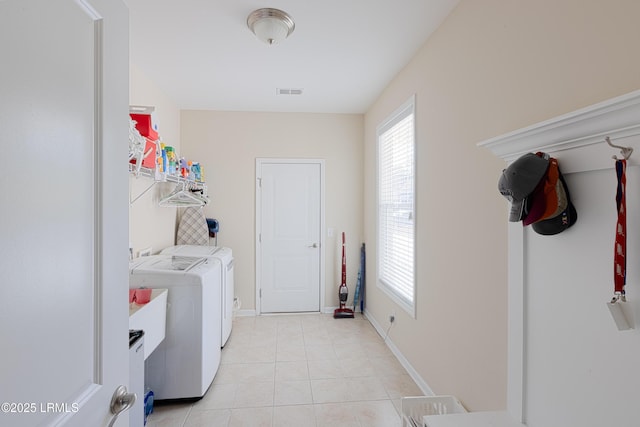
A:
(120, 402)
(315, 245)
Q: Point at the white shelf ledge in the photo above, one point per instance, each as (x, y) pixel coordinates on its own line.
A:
(586, 128)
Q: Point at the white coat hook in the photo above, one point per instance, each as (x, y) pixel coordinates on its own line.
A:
(625, 151)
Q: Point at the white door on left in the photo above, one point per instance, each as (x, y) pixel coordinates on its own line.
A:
(63, 226)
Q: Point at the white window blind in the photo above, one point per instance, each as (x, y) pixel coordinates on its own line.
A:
(396, 207)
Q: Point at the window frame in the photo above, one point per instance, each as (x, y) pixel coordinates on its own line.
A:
(407, 109)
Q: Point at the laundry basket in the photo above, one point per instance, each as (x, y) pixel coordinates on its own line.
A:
(414, 408)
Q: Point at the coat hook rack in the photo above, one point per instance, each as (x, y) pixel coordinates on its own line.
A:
(625, 151)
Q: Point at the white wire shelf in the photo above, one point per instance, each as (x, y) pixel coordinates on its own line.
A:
(157, 177)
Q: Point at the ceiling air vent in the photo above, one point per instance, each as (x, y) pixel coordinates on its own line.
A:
(281, 91)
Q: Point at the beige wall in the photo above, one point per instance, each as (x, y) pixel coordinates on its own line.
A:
(227, 145)
(492, 67)
(149, 224)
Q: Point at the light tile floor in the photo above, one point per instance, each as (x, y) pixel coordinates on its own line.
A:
(299, 370)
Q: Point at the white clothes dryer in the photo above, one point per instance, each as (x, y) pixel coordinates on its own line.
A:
(225, 256)
(184, 364)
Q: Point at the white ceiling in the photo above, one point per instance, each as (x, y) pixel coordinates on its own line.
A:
(343, 53)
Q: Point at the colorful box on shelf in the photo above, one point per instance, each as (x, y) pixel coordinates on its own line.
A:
(149, 158)
(149, 155)
(145, 126)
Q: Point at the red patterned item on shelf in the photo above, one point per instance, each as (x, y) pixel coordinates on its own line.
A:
(145, 126)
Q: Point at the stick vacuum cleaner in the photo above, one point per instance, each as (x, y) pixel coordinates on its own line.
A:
(343, 292)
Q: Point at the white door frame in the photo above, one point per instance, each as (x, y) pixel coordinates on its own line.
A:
(259, 162)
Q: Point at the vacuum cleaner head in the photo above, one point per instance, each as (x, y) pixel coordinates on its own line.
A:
(343, 313)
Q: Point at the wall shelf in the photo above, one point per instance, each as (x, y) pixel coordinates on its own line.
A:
(558, 287)
(159, 177)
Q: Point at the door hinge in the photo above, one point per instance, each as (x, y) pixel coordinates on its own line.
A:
(261, 293)
(259, 182)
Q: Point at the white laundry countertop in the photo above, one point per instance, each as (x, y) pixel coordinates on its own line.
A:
(151, 318)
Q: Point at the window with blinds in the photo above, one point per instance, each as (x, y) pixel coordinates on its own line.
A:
(396, 206)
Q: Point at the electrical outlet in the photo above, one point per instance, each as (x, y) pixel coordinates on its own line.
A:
(145, 252)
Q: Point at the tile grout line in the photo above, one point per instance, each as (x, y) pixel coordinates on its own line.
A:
(280, 331)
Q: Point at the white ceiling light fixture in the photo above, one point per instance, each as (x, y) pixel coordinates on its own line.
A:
(271, 25)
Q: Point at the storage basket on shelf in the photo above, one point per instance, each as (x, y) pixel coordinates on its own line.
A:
(414, 408)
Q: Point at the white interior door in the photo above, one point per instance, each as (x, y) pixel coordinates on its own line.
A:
(63, 250)
(289, 246)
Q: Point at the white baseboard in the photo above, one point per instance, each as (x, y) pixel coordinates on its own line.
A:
(245, 313)
(420, 382)
(240, 313)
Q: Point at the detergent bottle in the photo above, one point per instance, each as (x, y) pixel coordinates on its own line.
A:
(164, 157)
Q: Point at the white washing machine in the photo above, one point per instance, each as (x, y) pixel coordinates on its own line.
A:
(185, 362)
(225, 256)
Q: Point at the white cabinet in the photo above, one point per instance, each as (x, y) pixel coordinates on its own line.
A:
(151, 318)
